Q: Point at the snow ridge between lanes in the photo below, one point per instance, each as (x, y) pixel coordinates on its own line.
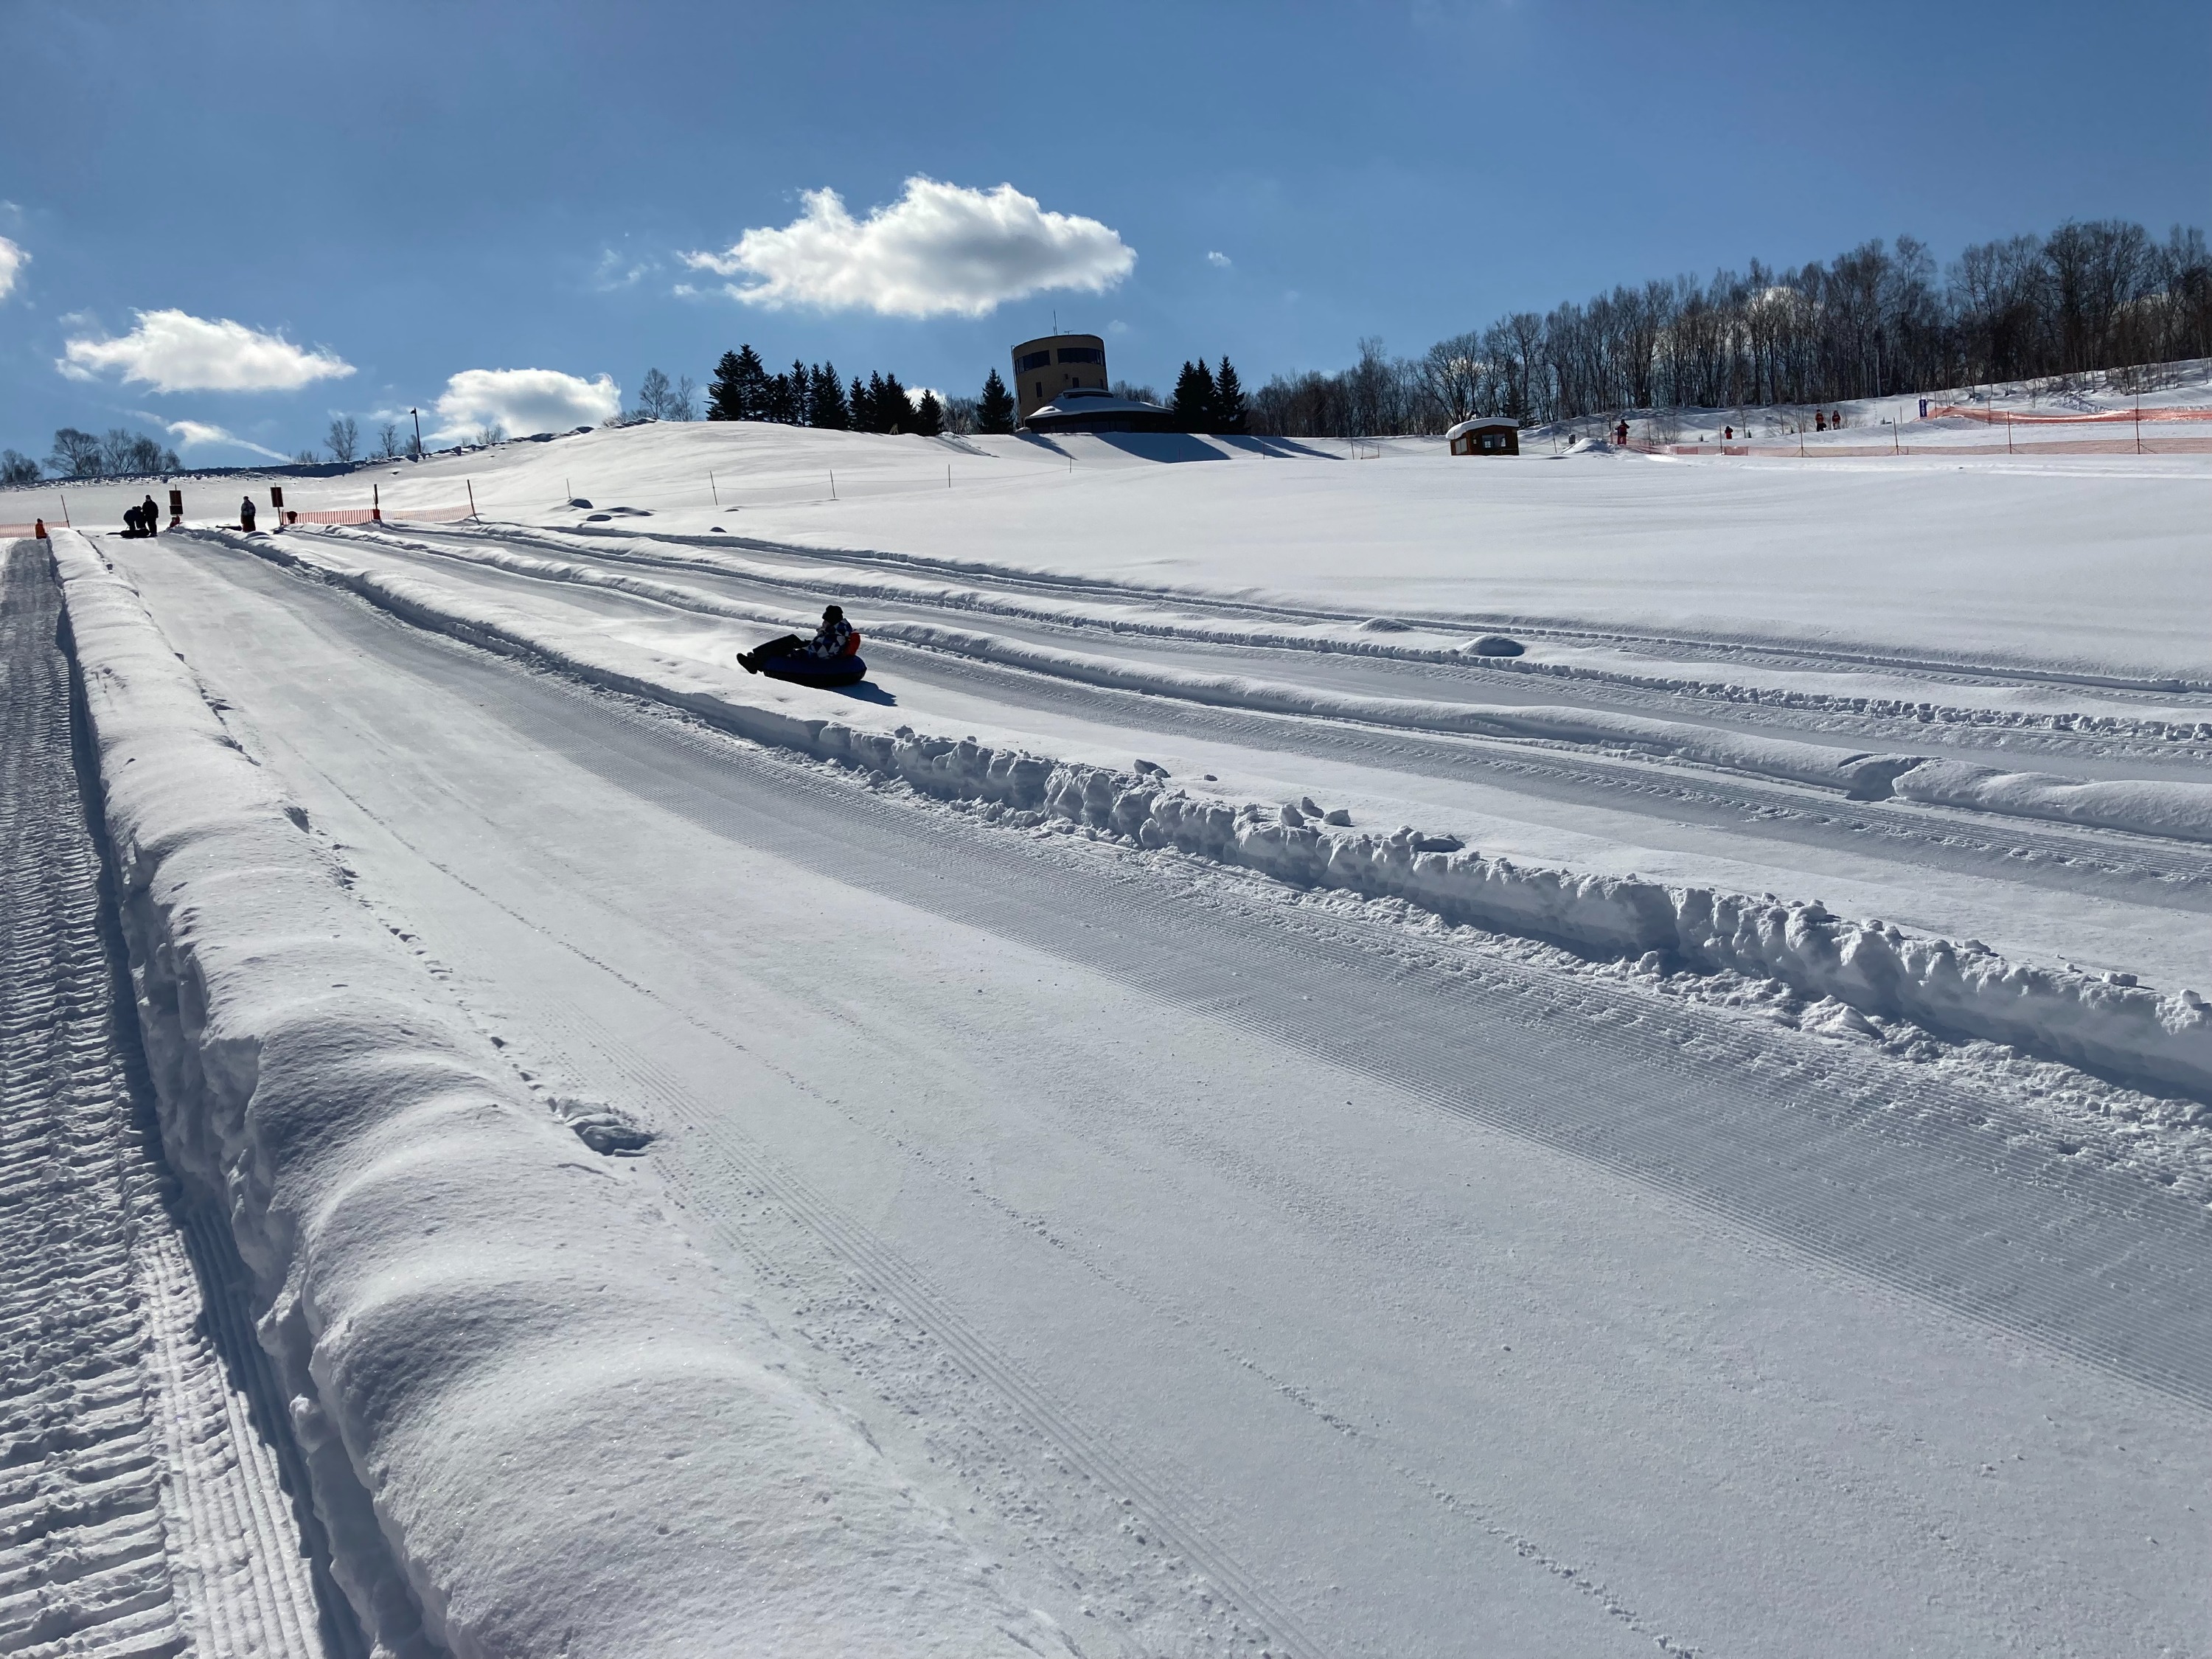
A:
(534, 1422)
(2118, 1029)
(2181, 811)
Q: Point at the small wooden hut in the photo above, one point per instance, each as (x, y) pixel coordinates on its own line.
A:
(1485, 435)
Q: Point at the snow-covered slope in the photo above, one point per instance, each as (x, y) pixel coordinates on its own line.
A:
(1300, 1132)
(2090, 566)
(535, 1423)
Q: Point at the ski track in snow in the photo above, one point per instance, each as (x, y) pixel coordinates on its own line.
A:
(1916, 1188)
(145, 1504)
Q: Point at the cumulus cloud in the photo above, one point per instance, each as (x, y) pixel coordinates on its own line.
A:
(176, 351)
(1220, 260)
(12, 261)
(198, 435)
(939, 248)
(522, 401)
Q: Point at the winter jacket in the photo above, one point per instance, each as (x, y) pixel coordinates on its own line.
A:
(831, 641)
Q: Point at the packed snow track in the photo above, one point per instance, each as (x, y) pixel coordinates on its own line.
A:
(1243, 1268)
(148, 1478)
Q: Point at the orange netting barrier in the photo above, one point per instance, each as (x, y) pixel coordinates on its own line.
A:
(10, 532)
(1816, 450)
(2038, 417)
(387, 515)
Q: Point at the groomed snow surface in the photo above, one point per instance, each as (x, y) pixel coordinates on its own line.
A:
(1204, 1107)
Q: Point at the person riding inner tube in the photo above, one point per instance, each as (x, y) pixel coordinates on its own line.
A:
(830, 658)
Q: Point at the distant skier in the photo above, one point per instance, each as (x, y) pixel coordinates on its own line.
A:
(1621, 435)
(830, 640)
(246, 515)
(150, 516)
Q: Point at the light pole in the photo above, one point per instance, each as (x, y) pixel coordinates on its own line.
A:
(418, 414)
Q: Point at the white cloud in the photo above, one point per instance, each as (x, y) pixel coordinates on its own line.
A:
(619, 270)
(198, 435)
(12, 261)
(176, 351)
(939, 248)
(524, 401)
(1219, 260)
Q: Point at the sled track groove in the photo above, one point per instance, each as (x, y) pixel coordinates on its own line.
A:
(1926, 1192)
(1977, 843)
(722, 1145)
(1749, 649)
(138, 1514)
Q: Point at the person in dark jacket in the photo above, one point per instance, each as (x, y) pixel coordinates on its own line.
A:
(246, 515)
(830, 640)
(131, 522)
(149, 516)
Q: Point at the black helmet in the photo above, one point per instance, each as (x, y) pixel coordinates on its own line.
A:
(832, 613)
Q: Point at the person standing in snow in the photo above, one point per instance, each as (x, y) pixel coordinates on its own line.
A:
(150, 516)
(830, 640)
(1621, 435)
(246, 515)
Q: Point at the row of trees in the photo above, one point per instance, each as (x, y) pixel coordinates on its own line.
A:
(1209, 401)
(116, 454)
(1873, 322)
(812, 394)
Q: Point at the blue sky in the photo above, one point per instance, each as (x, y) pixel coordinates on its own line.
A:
(412, 192)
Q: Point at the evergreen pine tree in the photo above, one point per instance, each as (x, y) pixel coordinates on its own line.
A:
(1194, 399)
(995, 410)
(896, 412)
(802, 393)
(829, 411)
(725, 398)
(863, 412)
(752, 386)
(929, 417)
(1231, 412)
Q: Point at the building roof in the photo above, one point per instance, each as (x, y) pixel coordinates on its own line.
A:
(1483, 423)
(1082, 403)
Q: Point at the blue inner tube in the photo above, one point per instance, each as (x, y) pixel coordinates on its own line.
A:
(816, 671)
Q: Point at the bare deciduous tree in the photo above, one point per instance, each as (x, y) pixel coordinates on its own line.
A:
(653, 394)
(2095, 297)
(387, 441)
(343, 439)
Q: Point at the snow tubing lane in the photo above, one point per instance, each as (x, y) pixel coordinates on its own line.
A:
(306, 1068)
(1934, 1196)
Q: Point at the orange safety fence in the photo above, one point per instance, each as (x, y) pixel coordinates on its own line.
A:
(2039, 417)
(10, 532)
(386, 515)
(1815, 451)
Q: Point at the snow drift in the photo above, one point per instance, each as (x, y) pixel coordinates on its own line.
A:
(2118, 1029)
(536, 1423)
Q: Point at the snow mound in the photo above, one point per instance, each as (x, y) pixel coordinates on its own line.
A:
(535, 1420)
